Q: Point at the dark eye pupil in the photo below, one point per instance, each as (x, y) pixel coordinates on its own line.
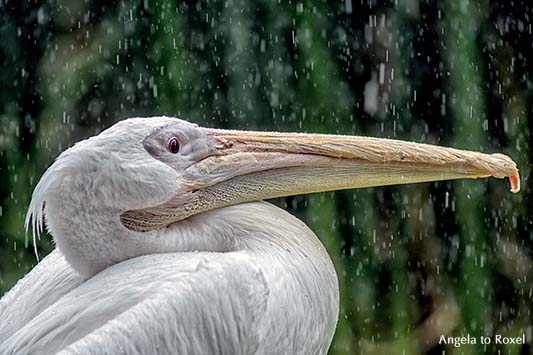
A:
(173, 145)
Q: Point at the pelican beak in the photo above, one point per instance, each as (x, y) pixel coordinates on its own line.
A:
(248, 166)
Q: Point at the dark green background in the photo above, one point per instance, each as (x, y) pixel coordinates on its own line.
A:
(414, 262)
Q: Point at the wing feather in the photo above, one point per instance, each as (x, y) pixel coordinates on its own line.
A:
(193, 303)
(46, 283)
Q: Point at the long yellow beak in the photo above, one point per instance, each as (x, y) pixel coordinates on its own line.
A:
(248, 166)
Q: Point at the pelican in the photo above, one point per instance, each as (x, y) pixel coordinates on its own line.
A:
(164, 246)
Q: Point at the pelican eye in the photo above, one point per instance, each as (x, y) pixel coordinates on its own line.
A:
(173, 145)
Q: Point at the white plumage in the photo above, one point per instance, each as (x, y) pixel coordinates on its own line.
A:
(240, 302)
(161, 249)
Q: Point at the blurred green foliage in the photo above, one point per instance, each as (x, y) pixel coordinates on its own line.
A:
(414, 262)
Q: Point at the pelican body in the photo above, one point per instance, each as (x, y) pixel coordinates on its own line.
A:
(164, 246)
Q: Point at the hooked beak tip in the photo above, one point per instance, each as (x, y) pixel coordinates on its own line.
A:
(514, 180)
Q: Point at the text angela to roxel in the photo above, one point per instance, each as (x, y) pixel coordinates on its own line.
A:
(484, 340)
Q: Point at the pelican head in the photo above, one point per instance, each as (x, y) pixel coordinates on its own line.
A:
(114, 196)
